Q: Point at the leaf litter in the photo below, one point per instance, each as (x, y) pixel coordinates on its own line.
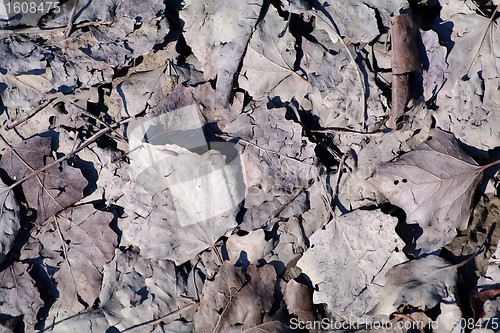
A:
(194, 167)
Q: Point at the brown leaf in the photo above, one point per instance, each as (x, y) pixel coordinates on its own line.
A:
(48, 192)
(19, 295)
(233, 302)
(434, 184)
(79, 243)
(404, 60)
(477, 301)
(404, 46)
(298, 298)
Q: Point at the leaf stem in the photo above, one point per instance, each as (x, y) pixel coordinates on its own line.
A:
(483, 167)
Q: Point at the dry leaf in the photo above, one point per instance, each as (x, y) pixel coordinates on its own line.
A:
(136, 290)
(236, 303)
(88, 322)
(298, 298)
(78, 243)
(469, 99)
(435, 64)
(50, 191)
(249, 248)
(434, 184)
(9, 220)
(218, 35)
(268, 66)
(355, 20)
(18, 294)
(421, 283)
(277, 161)
(186, 191)
(347, 260)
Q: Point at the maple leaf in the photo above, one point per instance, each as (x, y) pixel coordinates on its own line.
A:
(434, 184)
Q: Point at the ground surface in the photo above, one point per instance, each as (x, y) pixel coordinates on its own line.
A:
(199, 167)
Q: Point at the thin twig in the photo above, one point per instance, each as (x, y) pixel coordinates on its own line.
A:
(29, 115)
(90, 115)
(71, 20)
(88, 142)
(50, 30)
(345, 130)
(246, 142)
(166, 318)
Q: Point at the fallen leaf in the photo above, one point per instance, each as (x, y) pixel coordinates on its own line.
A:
(48, 192)
(88, 322)
(137, 290)
(434, 184)
(331, 72)
(357, 21)
(236, 302)
(268, 67)
(347, 259)
(9, 220)
(77, 244)
(20, 55)
(277, 161)
(218, 36)
(435, 64)
(298, 299)
(421, 283)
(183, 196)
(450, 315)
(18, 294)
(203, 97)
(485, 301)
(469, 97)
(249, 248)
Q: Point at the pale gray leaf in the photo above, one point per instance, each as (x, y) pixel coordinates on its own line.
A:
(434, 184)
(9, 220)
